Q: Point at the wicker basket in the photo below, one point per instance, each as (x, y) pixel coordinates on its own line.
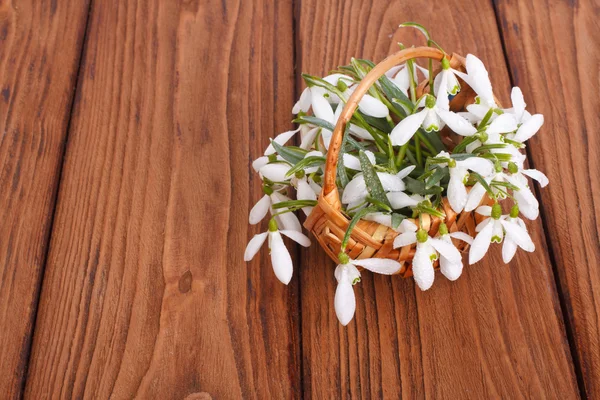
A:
(371, 239)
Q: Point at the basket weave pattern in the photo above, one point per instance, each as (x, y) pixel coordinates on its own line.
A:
(370, 239)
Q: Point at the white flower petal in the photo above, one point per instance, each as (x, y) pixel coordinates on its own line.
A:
(509, 249)
(402, 78)
(321, 107)
(457, 192)
(422, 268)
(260, 162)
(479, 79)
(432, 122)
(484, 210)
(480, 165)
(424, 71)
(382, 266)
(309, 138)
(351, 162)
(529, 128)
(260, 209)
(407, 226)
(344, 300)
(502, 124)
(462, 236)
(373, 107)
(406, 128)
(297, 237)
(381, 218)
(288, 220)
(400, 200)
(359, 132)
(404, 172)
(475, 196)
(275, 172)
(457, 123)
(519, 235)
(305, 191)
(446, 249)
(451, 270)
(355, 190)
(536, 175)
(304, 103)
(481, 243)
(254, 245)
(518, 102)
(390, 182)
(280, 139)
(280, 258)
(405, 239)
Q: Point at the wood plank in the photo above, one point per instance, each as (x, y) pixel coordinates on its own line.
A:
(146, 293)
(495, 333)
(552, 52)
(40, 47)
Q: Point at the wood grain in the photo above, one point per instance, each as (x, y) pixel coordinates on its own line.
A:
(495, 333)
(552, 48)
(146, 293)
(40, 46)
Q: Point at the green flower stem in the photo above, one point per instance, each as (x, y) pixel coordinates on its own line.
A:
(418, 150)
(413, 85)
(426, 142)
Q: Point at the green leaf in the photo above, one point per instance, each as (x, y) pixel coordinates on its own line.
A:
(380, 206)
(295, 204)
(492, 146)
(308, 119)
(372, 181)
(434, 140)
(359, 214)
(419, 27)
(395, 95)
(307, 162)
(397, 220)
(436, 177)
(461, 156)
(379, 123)
(291, 154)
(341, 169)
(418, 187)
(464, 143)
(483, 183)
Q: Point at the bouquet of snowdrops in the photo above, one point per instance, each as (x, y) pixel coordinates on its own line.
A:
(402, 155)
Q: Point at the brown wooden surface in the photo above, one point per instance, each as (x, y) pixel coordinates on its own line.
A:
(40, 46)
(145, 293)
(564, 86)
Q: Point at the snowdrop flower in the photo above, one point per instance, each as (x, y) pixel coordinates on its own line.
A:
(434, 114)
(400, 75)
(489, 230)
(348, 275)
(356, 190)
(305, 190)
(288, 220)
(369, 105)
(524, 197)
(516, 236)
(352, 162)
(280, 256)
(446, 77)
(451, 269)
(459, 170)
(427, 252)
(478, 79)
(275, 172)
(280, 139)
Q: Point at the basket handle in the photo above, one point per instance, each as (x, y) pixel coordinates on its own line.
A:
(377, 72)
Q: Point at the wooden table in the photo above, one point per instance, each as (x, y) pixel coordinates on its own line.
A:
(128, 128)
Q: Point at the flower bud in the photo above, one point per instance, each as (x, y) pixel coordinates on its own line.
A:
(268, 190)
(422, 235)
(343, 258)
(272, 225)
(429, 101)
(443, 229)
(512, 168)
(496, 211)
(341, 85)
(514, 211)
(445, 63)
